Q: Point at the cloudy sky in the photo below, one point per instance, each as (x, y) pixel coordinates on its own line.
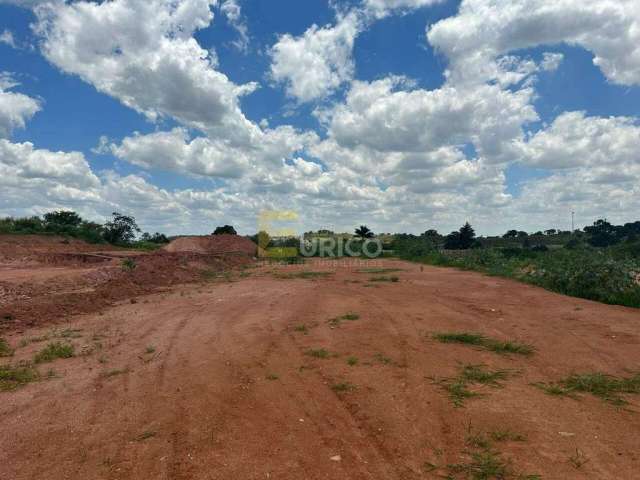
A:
(402, 114)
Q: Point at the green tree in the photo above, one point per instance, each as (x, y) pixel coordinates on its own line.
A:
(225, 230)
(121, 229)
(603, 234)
(62, 218)
(463, 239)
(364, 232)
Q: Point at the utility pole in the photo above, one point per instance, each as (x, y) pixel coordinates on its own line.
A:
(573, 222)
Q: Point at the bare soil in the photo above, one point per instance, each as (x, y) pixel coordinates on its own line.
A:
(213, 381)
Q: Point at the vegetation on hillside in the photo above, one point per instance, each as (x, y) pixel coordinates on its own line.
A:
(118, 230)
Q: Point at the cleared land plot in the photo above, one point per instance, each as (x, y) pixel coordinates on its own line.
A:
(247, 379)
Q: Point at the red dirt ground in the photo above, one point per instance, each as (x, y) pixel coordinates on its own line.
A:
(44, 279)
(227, 391)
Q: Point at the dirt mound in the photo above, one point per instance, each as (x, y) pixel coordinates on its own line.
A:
(213, 244)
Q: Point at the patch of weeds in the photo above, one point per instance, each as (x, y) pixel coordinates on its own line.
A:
(128, 264)
(479, 374)
(506, 436)
(578, 459)
(554, 390)
(477, 340)
(13, 377)
(379, 357)
(272, 376)
(335, 322)
(54, 351)
(69, 333)
(485, 463)
(458, 387)
(306, 274)
(429, 467)
(352, 361)
(383, 278)
(150, 349)
(607, 387)
(145, 436)
(379, 270)
(245, 274)
(5, 349)
(318, 353)
(458, 392)
(115, 372)
(343, 387)
(302, 329)
(212, 275)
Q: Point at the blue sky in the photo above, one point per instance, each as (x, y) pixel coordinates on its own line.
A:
(549, 137)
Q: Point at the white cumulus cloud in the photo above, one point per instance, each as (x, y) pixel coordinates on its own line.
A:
(317, 63)
(143, 53)
(15, 108)
(484, 29)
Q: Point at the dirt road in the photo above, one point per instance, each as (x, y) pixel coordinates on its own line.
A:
(228, 380)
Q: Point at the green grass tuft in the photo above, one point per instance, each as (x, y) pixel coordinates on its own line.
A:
(336, 321)
(13, 377)
(379, 357)
(379, 270)
(458, 387)
(607, 387)
(477, 340)
(116, 372)
(302, 329)
(343, 387)
(485, 463)
(383, 278)
(352, 361)
(128, 264)
(145, 436)
(54, 351)
(5, 349)
(306, 274)
(318, 353)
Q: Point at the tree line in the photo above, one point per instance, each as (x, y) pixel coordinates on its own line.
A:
(119, 229)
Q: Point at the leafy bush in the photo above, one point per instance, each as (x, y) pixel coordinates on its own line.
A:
(61, 222)
(410, 246)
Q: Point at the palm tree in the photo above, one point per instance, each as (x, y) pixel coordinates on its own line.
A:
(364, 232)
